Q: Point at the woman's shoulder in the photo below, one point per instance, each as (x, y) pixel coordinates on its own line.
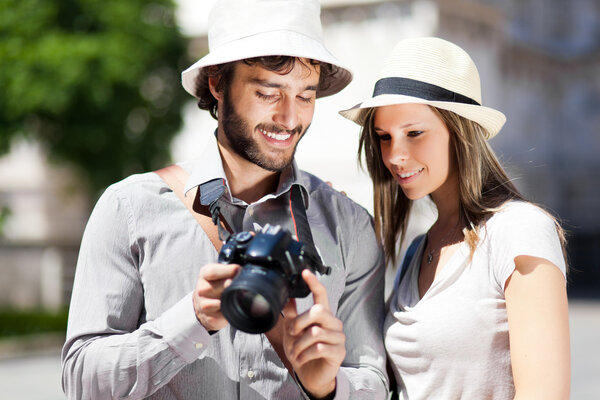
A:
(519, 223)
(517, 212)
(522, 228)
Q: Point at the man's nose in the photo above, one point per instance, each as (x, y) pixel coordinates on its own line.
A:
(286, 114)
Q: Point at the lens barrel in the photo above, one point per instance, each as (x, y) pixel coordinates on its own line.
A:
(255, 298)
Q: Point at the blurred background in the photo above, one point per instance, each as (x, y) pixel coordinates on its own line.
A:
(90, 93)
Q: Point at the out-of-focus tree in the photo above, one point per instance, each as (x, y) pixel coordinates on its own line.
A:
(95, 81)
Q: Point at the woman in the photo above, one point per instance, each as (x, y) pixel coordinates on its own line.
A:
(481, 311)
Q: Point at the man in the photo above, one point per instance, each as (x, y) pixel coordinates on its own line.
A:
(145, 317)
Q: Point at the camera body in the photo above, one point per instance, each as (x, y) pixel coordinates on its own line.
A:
(272, 263)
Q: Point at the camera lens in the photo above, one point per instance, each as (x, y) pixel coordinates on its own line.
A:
(255, 298)
(252, 304)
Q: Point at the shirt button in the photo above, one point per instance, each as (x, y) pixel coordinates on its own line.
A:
(199, 345)
(250, 374)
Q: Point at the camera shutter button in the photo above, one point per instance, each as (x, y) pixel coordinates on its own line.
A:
(243, 237)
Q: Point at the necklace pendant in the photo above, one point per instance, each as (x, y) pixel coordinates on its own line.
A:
(429, 257)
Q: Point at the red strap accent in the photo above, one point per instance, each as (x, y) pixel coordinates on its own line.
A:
(293, 218)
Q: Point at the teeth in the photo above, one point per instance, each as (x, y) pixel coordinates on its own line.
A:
(276, 136)
(409, 174)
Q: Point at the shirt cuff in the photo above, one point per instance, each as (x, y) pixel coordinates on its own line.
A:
(183, 332)
(342, 386)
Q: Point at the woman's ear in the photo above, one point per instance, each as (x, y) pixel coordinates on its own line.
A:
(213, 82)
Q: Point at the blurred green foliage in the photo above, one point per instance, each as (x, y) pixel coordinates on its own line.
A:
(16, 323)
(95, 81)
(4, 214)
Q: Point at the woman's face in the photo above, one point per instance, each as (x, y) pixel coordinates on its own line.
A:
(415, 147)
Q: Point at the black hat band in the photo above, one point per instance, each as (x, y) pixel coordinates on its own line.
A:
(423, 90)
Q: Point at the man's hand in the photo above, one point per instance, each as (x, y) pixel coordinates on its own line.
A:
(212, 280)
(314, 342)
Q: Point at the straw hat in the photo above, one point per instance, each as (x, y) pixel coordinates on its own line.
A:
(430, 71)
(240, 29)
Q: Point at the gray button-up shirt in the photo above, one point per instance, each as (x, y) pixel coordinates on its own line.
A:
(132, 330)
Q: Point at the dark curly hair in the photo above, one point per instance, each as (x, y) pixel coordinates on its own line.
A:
(280, 64)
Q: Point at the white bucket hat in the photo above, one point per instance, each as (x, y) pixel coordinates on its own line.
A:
(430, 71)
(240, 29)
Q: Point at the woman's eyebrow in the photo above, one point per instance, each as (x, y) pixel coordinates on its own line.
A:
(407, 125)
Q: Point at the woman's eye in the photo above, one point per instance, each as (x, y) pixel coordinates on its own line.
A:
(384, 137)
(414, 133)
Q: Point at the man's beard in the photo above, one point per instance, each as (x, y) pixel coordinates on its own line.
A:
(239, 135)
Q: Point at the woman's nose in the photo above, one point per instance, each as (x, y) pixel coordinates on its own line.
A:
(398, 153)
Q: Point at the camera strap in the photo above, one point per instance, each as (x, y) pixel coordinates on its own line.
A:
(214, 225)
(302, 228)
(175, 177)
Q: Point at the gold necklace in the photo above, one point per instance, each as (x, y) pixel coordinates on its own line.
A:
(430, 257)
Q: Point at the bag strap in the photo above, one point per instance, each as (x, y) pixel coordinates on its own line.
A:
(175, 177)
(408, 256)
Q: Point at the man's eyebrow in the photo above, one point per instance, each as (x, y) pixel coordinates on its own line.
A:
(269, 84)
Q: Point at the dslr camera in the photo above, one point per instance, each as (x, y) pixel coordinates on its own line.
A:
(272, 263)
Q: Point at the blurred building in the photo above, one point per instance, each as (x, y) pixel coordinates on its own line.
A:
(41, 235)
(538, 61)
(552, 67)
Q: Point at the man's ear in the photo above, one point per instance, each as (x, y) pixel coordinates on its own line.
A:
(213, 82)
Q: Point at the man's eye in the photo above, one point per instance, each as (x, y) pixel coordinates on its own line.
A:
(305, 99)
(265, 96)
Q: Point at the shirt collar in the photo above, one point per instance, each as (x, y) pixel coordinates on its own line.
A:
(209, 175)
(208, 167)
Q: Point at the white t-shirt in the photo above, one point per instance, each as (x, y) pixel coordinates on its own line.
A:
(453, 343)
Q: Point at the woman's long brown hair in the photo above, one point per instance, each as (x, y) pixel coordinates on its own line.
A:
(484, 186)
